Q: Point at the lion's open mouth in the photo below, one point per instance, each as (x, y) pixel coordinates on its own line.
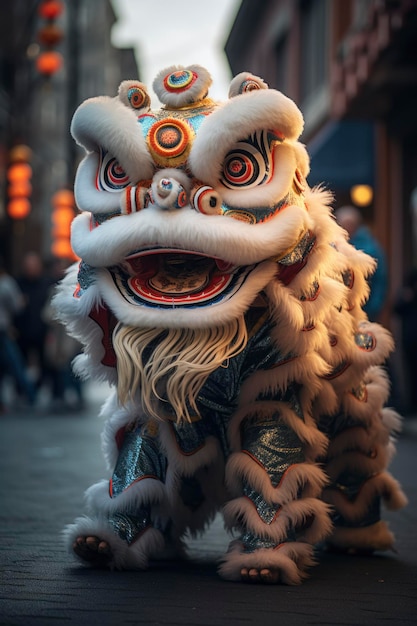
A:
(177, 278)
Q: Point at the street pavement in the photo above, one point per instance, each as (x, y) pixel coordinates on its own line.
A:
(48, 460)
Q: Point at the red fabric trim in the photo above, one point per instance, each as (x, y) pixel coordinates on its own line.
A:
(287, 273)
(120, 437)
(107, 322)
(128, 200)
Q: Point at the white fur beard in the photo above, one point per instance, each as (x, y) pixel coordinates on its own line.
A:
(168, 368)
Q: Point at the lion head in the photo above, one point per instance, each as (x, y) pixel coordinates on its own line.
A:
(186, 212)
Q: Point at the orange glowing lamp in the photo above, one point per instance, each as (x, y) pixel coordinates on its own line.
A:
(20, 188)
(61, 249)
(61, 219)
(49, 62)
(63, 197)
(18, 208)
(62, 215)
(19, 172)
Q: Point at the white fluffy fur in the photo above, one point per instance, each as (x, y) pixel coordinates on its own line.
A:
(135, 556)
(304, 479)
(303, 159)
(359, 461)
(218, 236)
(116, 418)
(291, 560)
(87, 196)
(145, 491)
(237, 119)
(291, 515)
(382, 484)
(239, 79)
(358, 438)
(74, 312)
(178, 99)
(374, 537)
(107, 122)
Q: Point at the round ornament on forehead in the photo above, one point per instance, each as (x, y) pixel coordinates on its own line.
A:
(178, 86)
(169, 141)
(245, 83)
(134, 95)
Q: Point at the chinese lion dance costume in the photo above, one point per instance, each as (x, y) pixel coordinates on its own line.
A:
(220, 299)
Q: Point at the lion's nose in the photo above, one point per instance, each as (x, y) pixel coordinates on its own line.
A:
(168, 194)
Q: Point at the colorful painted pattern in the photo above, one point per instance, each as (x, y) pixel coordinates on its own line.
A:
(181, 80)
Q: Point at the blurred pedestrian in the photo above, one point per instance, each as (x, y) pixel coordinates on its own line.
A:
(60, 349)
(11, 360)
(34, 283)
(405, 306)
(350, 218)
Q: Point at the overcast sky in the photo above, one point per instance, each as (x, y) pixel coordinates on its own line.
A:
(177, 32)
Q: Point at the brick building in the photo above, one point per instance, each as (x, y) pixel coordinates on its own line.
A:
(351, 66)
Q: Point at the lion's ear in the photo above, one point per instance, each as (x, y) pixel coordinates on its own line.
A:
(245, 82)
(134, 95)
(302, 158)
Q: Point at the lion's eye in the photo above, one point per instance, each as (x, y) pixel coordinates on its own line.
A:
(249, 163)
(110, 175)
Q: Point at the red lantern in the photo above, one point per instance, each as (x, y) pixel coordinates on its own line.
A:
(62, 218)
(50, 9)
(18, 208)
(20, 188)
(62, 215)
(19, 172)
(50, 35)
(61, 249)
(63, 197)
(48, 63)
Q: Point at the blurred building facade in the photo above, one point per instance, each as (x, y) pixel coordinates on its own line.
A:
(36, 109)
(351, 66)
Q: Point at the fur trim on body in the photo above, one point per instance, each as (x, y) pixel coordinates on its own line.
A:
(291, 559)
(368, 539)
(290, 516)
(381, 485)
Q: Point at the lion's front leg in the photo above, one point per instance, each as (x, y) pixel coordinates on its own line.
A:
(128, 515)
(277, 510)
(168, 480)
